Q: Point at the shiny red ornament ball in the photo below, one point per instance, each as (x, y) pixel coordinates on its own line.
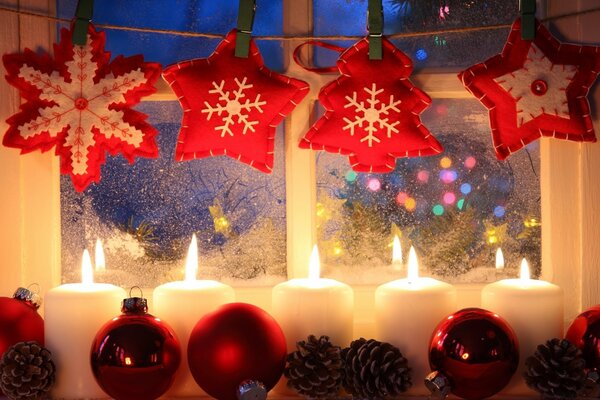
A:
(19, 320)
(476, 350)
(235, 343)
(135, 356)
(584, 333)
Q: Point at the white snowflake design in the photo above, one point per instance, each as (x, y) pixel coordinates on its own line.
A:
(81, 105)
(230, 103)
(371, 115)
(539, 87)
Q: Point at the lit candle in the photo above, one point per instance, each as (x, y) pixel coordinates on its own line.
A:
(499, 260)
(406, 313)
(397, 254)
(74, 313)
(533, 308)
(182, 304)
(314, 306)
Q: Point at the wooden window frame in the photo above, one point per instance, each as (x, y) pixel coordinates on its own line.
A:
(30, 196)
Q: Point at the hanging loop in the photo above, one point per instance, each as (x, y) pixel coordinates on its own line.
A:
(375, 28)
(83, 17)
(245, 22)
(527, 8)
(318, 43)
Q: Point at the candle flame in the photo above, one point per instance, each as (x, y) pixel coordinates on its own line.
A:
(87, 274)
(314, 265)
(396, 253)
(191, 261)
(99, 260)
(499, 259)
(524, 269)
(413, 265)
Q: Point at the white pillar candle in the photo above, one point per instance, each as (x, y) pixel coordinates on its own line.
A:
(314, 306)
(533, 308)
(181, 304)
(406, 313)
(74, 313)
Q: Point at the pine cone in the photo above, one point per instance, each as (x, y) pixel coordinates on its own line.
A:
(374, 370)
(556, 370)
(315, 370)
(26, 371)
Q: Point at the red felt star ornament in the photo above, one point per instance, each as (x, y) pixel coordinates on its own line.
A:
(536, 88)
(372, 111)
(80, 103)
(232, 105)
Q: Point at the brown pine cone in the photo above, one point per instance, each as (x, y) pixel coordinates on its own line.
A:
(315, 370)
(375, 370)
(556, 370)
(26, 371)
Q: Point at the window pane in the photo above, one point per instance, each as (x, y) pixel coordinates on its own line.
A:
(456, 208)
(146, 213)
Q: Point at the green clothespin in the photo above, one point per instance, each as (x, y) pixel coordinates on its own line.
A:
(83, 15)
(527, 8)
(244, 27)
(375, 27)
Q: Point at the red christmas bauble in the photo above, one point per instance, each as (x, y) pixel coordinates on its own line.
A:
(233, 344)
(19, 320)
(584, 333)
(135, 355)
(476, 350)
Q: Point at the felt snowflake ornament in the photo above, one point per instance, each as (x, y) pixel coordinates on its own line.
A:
(536, 88)
(231, 105)
(80, 103)
(372, 111)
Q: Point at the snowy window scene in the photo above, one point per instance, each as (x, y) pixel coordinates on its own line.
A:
(456, 208)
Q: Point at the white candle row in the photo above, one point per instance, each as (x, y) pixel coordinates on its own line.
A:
(406, 313)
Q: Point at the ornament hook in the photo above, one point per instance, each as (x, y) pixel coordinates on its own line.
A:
(83, 17)
(138, 288)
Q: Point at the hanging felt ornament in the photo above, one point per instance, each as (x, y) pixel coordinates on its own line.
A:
(535, 88)
(231, 101)
(80, 103)
(372, 110)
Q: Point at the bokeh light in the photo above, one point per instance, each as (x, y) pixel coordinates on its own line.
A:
(401, 198)
(438, 209)
(499, 211)
(445, 162)
(421, 54)
(423, 176)
(470, 162)
(460, 204)
(448, 175)
(351, 176)
(410, 204)
(465, 188)
(374, 184)
(449, 198)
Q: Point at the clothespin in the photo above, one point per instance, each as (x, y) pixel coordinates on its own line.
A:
(527, 8)
(245, 22)
(83, 15)
(375, 27)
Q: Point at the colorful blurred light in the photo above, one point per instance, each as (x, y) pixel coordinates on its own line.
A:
(410, 204)
(423, 176)
(401, 198)
(421, 54)
(442, 109)
(445, 162)
(449, 198)
(465, 188)
(351, 176)
(448, 175)
(374, 184)
(438, 209)
(470, 162)
(499, 211)
(460, 204)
